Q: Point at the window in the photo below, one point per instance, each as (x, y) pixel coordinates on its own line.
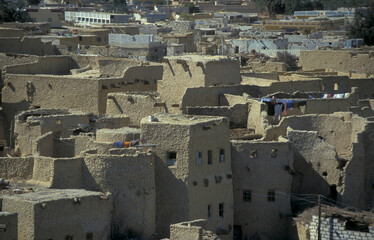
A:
(221, 155)
(247, 196)
(209, 211)
(274, 153)
(210, 159)
(171, 159)
(253, 154)
(271, 195)
(98, 39)
(236, 49)
(89, 236)
(80, 38)
(336, 86)
(220, 209)
(199, 158)
(49, 19)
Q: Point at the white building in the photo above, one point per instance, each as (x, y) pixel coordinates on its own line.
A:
(92, 18)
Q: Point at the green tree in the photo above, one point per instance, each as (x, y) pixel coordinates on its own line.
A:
(289, 59)
(191, 7)
(363, 24)
(11, 12)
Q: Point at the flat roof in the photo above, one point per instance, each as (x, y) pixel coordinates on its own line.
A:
(46, 194)
(179, 119)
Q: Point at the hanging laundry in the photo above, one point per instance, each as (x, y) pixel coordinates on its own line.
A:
(284, 109)
(278, 109)
(118, 144)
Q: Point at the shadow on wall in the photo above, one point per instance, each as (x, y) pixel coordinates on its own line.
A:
(306, 180)
(171, 199)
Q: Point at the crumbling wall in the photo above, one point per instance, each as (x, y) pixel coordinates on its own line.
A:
(181, 73)
(329, 155)
(257, 116)
(343, 61)
(192, 230)
(130, 178)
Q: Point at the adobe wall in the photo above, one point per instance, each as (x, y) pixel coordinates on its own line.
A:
(210, 96)
(30, 129)
(369, 164)
(64, 173)
(23, 91)
(117, 135)
(211, 183)
(11, 32)
(24, 210)
(192, 230)
(9, 225)
(107, 86)
(195, 71)
(26, 45)
(171, 196)
(257, 116)
(181, 187)
(130, 178)
(54, 65)
(16, 168)
(344, 61)
(269, 66)
(136, 106)
(259, 174)
(60, 214)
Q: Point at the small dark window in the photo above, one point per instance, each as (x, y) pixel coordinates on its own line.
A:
(171, 158)
(98, 39)
(271, 195)
(247, 196)
(220, 209)
(222, 155)
(274, 153)
(89, 236)
(236, 49)
(80, 38)
(210, 158)
(253, 154)
(209, 211)
(199, 158)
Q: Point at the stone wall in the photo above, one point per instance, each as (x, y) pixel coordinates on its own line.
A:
(334, 228)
